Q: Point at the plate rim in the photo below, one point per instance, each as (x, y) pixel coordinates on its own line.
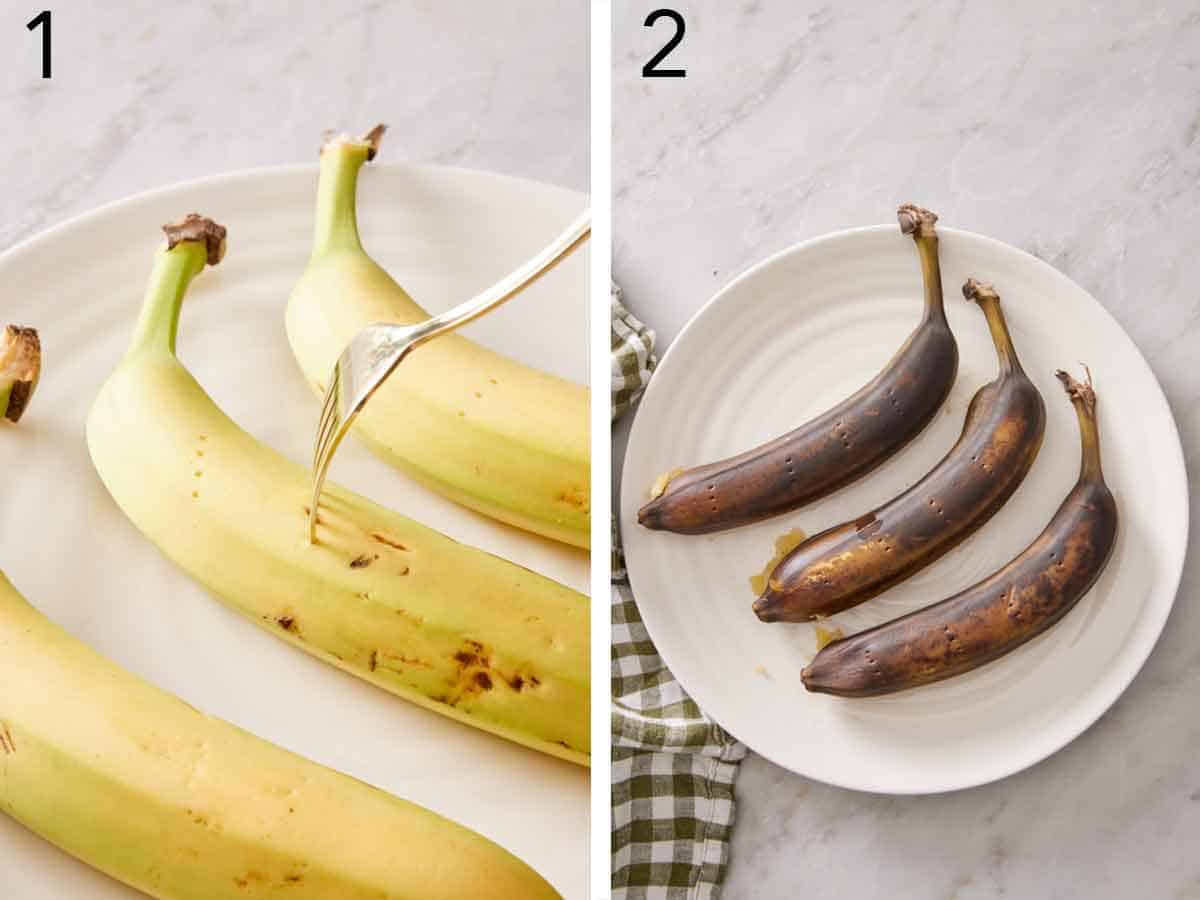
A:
(1135, 658)
(220, 179)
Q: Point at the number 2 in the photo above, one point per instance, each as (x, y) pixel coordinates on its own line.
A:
(42, 19)
(650, 70)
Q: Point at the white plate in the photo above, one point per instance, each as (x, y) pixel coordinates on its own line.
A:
(444, 233)
(795, 335)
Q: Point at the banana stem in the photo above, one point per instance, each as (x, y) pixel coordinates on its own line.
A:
(989, 301)
(20, 368)
(1083, 398)
(173, 271)
(337, 189)
(920, 224)
(192, 243)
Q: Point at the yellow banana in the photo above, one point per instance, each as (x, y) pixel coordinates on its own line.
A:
(183, 806)
(457, 630)
(496, 436)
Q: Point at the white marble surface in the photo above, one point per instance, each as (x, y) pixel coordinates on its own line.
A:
(146, 94)
(1069, 130)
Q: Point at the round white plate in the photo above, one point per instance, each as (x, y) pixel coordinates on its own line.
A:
(795, 335)
(445, 234)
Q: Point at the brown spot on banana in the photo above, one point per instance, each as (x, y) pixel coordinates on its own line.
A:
(855, 561)
(466, 658)
(997, 615)
(839, 446)
(387, 541)
(398, 662)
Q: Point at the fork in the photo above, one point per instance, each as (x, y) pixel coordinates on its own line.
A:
(375, 352)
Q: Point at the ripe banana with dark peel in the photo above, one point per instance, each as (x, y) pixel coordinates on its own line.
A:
(496, 436)
(1000, 613)
(20, 368)
(853, 562)
(182, 806)
(456, 630)
(839, 446)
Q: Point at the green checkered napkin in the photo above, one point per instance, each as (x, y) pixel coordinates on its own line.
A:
(632, 356)
(673, 768)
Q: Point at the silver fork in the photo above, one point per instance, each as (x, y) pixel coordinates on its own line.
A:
(378, 349)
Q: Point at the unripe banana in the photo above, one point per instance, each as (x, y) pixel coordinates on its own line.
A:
(457, 630)
(183, 806)
(477, 427)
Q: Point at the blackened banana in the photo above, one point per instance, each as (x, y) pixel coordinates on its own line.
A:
(849, 563)
(837, 447)
(998, 614)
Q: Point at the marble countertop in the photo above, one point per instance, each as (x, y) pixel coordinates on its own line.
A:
(1069, 130)
(143, 96)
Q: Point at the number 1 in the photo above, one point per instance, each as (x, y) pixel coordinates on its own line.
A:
(42, 20)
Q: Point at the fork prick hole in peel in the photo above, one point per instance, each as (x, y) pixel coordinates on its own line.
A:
(311, 521)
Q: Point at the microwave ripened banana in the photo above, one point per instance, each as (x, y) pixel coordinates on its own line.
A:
(455, 629)
(839, 446)
(855, 561)
(1000, 613)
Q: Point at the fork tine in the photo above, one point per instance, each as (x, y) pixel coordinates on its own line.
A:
(329, 413)
(375, 352)
(339, 427)
(328, 422)
(335, 438)
(327, 430)
(335, 383)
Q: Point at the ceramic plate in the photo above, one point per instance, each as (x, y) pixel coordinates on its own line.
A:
(794, 336)
(445, 234)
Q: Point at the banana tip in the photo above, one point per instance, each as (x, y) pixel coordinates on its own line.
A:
(765, 610)
(649, 516)
(812, 680)
(812, 685)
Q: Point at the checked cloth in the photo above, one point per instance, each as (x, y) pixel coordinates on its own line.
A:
(673, 768)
